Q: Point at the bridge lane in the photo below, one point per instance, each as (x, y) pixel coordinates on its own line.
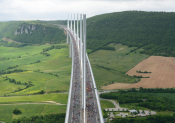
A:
(75, 104)
(75, 113)
(91, 104)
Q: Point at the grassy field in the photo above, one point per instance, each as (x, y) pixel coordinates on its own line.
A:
(133, 106)
(106, 104)
(41, 81)
(59, 63)
(56, 97)
(6, 111)
(6, 86)
(116, 60)
(41, 74)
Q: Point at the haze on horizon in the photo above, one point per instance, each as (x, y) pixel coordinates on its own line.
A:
(59, 9)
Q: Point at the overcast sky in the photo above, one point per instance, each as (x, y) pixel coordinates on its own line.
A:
(59, 9)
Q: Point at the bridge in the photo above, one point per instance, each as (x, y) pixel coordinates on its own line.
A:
(83, 101)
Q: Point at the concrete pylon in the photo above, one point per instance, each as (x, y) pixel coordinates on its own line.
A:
(77, 33)
(68, 22)
(81, 60)
(84, 65)
(71, 23)
(70, 50)
(68, 28)
(67, 38)
(74, 28)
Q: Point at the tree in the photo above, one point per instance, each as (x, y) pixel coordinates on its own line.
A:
(16, 111)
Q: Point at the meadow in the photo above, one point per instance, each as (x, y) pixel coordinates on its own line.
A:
(108, 67)
(6, 111)
(51, 73)
(106, 104)
(56, 97)
(111, 66)
(6, 87)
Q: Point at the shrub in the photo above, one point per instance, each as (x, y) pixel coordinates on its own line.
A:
(17, 111)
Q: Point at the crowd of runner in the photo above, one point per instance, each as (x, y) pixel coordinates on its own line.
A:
(91, 105)
(76, 88)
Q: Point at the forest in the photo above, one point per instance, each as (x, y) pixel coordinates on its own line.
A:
(148, 119)
(152, 31)
(152, 102)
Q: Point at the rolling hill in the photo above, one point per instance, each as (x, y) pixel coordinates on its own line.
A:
(153, 31)
(34, 56)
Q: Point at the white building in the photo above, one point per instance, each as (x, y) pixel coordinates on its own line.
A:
(133, 111)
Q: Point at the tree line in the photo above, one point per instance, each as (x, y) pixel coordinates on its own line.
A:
(148, 119)
(152, 102)
(44, 52)
(11, 71)
(153, 90)
(51, 118)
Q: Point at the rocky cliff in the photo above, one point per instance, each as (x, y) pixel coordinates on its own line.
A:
(25, 28)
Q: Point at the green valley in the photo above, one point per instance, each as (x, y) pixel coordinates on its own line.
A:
(36, 69)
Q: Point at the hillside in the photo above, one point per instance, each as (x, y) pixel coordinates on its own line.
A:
(153, 31)
(30, 32)
(110, 66)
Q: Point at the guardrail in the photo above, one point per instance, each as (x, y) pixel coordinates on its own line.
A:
(96, 93)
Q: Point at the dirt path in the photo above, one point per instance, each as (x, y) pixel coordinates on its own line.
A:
(9, 40)
(44, 102)
(117, 107)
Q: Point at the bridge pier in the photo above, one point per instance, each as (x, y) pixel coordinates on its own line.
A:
(70, 49)
(74, 28)
(77, 34)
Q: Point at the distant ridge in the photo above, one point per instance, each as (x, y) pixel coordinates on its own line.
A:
(32, 32)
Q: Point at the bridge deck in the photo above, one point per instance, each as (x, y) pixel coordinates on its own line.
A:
(75, 111)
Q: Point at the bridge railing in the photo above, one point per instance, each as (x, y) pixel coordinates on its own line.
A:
(96, 93)
(70, 88)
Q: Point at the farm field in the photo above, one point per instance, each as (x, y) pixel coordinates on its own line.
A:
(6, 111)
(111, 66)
(162, 74)
(51, 73)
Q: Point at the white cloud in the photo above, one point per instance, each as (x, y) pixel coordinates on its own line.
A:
(58, 9)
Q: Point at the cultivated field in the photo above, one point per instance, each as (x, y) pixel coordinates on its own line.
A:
(162, 74)
(110, 66)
